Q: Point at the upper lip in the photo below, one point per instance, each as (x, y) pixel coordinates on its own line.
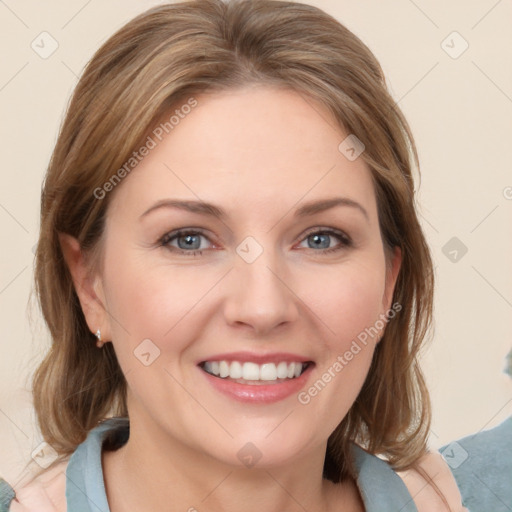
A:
(250, 357)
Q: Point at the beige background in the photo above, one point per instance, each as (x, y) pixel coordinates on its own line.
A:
(460, 110)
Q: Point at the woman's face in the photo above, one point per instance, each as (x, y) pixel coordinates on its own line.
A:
(258, 281)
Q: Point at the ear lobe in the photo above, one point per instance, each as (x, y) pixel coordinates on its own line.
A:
(85, 285)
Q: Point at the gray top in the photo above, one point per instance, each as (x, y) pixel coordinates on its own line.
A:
(482, 466)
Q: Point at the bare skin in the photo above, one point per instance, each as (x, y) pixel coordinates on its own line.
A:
(260, 154)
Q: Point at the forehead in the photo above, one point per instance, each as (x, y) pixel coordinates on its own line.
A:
(257, 146)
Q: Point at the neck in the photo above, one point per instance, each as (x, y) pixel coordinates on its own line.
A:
(155, 472)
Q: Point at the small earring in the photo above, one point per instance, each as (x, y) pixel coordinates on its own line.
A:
(99, 343)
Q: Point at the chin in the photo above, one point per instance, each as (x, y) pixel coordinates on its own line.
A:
(261, 450)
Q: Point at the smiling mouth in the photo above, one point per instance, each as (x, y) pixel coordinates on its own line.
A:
(253, 373)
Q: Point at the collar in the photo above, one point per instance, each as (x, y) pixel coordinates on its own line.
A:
(381, 488)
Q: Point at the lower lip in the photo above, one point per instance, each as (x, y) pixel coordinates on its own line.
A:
(259, 393)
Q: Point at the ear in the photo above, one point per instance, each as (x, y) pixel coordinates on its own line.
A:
(88, 287)
(393, 265)
(392, 270)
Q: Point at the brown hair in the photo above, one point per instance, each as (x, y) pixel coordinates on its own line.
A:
(161, 58)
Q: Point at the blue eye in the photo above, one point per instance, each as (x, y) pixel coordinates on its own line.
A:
(189, 241)
(321, 239)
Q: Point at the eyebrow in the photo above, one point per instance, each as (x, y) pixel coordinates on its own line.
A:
(204, 208)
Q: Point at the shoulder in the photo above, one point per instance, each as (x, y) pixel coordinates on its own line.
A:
(44, 492)
(428, 486)
(482, 464)
(432, 485)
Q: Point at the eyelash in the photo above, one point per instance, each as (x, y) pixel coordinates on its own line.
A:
(345, 241)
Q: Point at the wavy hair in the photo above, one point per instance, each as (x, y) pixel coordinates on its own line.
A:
(153, 63)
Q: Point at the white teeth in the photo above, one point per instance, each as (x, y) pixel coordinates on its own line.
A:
(268, 371)
(250, 371)
(282, 370)
(235, 371)
(253, 371)
(223, 369)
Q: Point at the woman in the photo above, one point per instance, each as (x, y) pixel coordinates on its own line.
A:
(232, 271)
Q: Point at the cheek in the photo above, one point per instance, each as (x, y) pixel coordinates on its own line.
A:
(348, 307)
(346, 301)
(152, 302)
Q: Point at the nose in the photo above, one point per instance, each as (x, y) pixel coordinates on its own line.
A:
(260, 296)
